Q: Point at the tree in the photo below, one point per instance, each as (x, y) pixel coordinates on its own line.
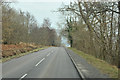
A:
(119, 35)
(97, 21)
(19, 26)
(44, 35)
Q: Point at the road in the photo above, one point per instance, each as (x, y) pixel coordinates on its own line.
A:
(53, 62)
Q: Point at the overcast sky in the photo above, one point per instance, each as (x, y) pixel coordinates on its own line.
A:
(41, 9)
(41, 0)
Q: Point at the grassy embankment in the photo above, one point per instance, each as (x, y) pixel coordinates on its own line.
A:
(103, 66)
(14, 51)
(19, 55)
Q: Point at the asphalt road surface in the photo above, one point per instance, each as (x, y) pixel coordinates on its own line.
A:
(53, 62)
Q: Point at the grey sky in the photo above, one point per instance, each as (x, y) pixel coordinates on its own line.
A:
(41, 10)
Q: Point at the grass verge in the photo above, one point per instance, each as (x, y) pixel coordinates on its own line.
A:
(21, 54)
(103, 66)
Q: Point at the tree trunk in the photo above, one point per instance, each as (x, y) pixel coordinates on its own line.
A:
(71, 41)
(119, 35)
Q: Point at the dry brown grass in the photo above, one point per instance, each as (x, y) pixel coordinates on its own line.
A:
(10, 50)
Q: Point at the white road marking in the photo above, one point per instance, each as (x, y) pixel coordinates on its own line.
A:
(23, 76)
(39, 62)
(48, 54)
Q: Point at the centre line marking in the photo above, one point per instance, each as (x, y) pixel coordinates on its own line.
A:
(39, 62)
(23, 76)
(48, 54)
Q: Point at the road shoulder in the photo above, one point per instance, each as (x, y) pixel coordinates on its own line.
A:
(86, 69)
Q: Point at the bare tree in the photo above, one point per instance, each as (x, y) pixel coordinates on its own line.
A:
(99, 22)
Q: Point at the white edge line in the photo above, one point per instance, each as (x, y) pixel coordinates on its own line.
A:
(23, 76)
(81, 74)
(39, 62)
(83, 77)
